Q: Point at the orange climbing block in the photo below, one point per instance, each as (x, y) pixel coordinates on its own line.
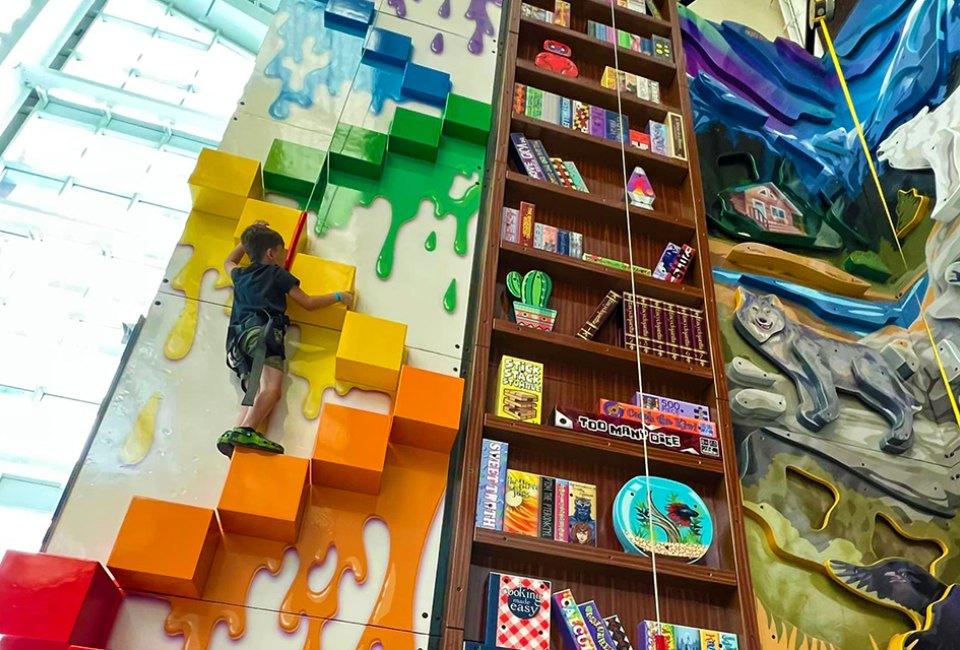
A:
(165, 547)
(351, 449)
(427, 410)
(264, 495)
(317, 277)
(221, 183)
(371, 351)
(283, 220)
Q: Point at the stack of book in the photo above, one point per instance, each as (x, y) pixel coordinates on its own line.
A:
(559, 16)
(645, 89)
(521, 227)
(655, 46)
(531, 158)
(529, 504)
(664, 329)
(569, 113)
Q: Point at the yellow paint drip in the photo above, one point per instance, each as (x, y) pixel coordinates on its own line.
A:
(315, 360)
(211, 238)
(778, 635)
(140, 439)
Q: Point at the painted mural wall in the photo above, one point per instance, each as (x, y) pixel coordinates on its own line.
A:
(840, 326)
(363, 569)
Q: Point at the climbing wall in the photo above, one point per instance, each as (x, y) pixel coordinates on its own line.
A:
(836, 322)
(372, 120)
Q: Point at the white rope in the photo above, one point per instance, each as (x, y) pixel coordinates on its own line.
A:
(633, 291)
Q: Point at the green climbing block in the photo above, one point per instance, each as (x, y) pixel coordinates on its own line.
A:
(868, 265)
(467, 119)
(293, 169)
(415, 134)
(358, 151)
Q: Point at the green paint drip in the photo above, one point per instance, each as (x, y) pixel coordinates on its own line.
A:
(406, 183)
(431, 243)
(450, 297)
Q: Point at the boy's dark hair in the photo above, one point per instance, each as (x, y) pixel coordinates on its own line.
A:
(258, 239)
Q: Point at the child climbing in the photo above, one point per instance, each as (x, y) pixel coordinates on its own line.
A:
(258, 323)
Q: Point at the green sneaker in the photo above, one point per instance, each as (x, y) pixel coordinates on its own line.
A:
(225, 443)
(246, 437)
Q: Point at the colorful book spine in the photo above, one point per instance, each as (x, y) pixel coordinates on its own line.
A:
(576, 245)
(659, 322)
(640, 140)
(563, 242)
(518, 612)
(493, 482)
(630, 324)
(678, 142)
(681, 637)
(646, 46)
(538, 236)
(655, 92)
(618, 633)
(568, 618)
(550, 234)
(551, 108)
(600, 316)
(534, 107)
(582, 514)
(672, 331)
(659, 419)
(524, 157)
(520, 389)
(674, 263)
(561, 496)
(536, 13)
(510, 226)
(672, 406)
(562, 173)
(616, 126)
(685, 325)
(527, 222)
(598, 122)
(520, 99)
(548, 514)
(662, 48)
(575, 176)
(643, 89)
(521, 512)
(595, 625)
(659, 139)
(581, 116)
(699, 337)
(543, 160)
(561, 13)
(615, 264)
(566, 112)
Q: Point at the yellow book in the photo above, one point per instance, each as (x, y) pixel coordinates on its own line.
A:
(520, 390)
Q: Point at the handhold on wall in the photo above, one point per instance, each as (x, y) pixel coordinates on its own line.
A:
(387, 48)
(901, 358)
(745, 372)
(912, 209)
(751, 402)
(867, 264)
(425, 84)
(221, 183)
(351, 16)
(294, 169)
(816, 273)
(414, 134)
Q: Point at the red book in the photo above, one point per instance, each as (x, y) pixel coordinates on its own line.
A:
(527, 221)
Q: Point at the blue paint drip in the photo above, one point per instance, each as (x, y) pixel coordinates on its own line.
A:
(305, 21)
(382, 84)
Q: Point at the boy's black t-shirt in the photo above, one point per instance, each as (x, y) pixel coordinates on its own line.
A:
(261, 289)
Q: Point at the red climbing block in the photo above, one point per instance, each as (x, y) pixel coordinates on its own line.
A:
(56, 599)
(21, 643)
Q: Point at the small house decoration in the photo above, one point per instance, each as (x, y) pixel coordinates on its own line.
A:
(532, 292)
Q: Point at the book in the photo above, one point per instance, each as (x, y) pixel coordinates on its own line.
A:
(520, 99)
(639, 189)
(534, 107)
(618, 633)
(536, 13)
(616, 126)
(658, 322)
(527, 221)
(518, 612)
(640, 140)
(646, 46)
(653, 9)
(575, 176)
(643, 89)
(561, 497)
(662, 48)
(538, 236)
(614, 428)
(582, 514)
(520, 389)
(630, 312)
(614, 264)
(563, 242)
(493, 482)
(659, 419)
(510, 225)
(595, 625)
(523, 156)
(566, 112)
(699, 336)
(521, 511)
(685, 322)
(667, 258)
(647, 632)
(543, 161)
(562, 173)
(678, 143)
(673, 406)
(680, 637)
(674, 263)
(598, 122)
(600, 316)
(581, 117)
(551, 108)
(576, 245)
(548, 513)
(561, 13)
(550, 239)
(659, 141)
(654, 91)
(573, 628)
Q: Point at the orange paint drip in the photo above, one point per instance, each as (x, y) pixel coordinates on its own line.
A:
(211, 238)
(413, 484)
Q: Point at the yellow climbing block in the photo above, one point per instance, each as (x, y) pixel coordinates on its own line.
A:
(221, 183)
(371, 351)
(317, 277)
(283, 220)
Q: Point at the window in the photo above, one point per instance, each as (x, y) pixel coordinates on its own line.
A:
(778, 215)
(759, 212)
(39, 496)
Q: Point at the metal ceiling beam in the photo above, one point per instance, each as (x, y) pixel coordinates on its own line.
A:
(239, 21)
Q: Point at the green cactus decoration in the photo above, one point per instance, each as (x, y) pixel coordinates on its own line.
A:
(531, 289)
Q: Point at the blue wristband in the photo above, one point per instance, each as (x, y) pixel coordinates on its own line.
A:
(339, 296)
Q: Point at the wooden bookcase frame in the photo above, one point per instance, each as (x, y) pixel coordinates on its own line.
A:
(716, 592)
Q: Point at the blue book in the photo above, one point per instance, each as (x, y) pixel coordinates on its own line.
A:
(563, 242)
(597, 628)
(493, 483)
(646, 46)
(492, 610)
(524, 158)
(566, 112)
(617, 129)
(543, 160)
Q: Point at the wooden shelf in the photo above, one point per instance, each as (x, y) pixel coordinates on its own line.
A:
(574, 144)
(591, 92)
(672, 227)
(662, 462)
(586, 47)
(608, 561)
(627, 20)
(551, 343)
(561, 267)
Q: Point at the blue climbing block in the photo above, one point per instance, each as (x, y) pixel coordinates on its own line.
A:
(351, 16)
(387, 48)
(426, 84)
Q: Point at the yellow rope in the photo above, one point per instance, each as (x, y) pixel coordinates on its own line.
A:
(893, 227)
